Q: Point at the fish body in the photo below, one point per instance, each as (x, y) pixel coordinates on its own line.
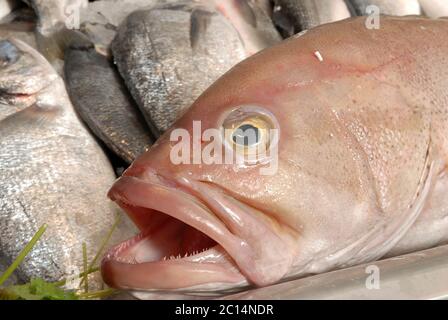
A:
(170, 54)
(295, 16)
(51, 171)
(102, 100)
(23, 31)
(434, 8)
(358, 171)
(252, 20)
(54, 17)
(99, 20)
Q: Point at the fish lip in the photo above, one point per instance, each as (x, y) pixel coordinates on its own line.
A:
(207, 207)
(152, 197)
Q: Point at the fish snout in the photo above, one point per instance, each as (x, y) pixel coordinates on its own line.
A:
(194, 227)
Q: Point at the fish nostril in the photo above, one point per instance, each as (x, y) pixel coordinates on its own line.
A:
(8, 53)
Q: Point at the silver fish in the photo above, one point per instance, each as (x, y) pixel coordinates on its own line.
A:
(170, 54)
(294, 16)
(358, 173)
(102, 100)
(435, 8)
(252, 20)
(100, 19)
(22, 30)
(51, 171)
(54, 18)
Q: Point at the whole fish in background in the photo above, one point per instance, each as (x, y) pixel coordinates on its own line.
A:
(51, 171)
(252, 20)
(102, 100)
(100, 19)
(115, 120)
(434, 8)
(360, 165)
(54, 17)
(168, 55)
(388, 7)
(294, 16)
(23, 31)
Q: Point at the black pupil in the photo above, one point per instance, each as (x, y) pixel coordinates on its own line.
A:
(246, 135)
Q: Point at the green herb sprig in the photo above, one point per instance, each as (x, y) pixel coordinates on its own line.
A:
(39, 289)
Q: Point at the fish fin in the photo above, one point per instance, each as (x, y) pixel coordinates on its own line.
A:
(52, 46)
(173, 6)
(430, 229)
(199, 22)
(397, 230)
(77, 41)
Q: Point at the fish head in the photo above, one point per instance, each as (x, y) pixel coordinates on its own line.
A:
(23, 73)
(298, 207)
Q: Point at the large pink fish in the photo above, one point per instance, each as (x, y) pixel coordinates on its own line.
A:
(360, 172)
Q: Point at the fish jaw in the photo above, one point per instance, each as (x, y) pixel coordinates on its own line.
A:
(195, 237)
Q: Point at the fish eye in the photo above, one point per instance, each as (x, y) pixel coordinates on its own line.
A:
(247, 130)
(246, 134)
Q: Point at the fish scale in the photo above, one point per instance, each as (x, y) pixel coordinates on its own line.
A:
(163, 71)
(360, 171)
(51, 172)
(90, 77)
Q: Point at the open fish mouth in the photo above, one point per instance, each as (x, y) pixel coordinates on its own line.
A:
(194, 238)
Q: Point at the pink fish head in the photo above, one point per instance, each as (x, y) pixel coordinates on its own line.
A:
(320, 134)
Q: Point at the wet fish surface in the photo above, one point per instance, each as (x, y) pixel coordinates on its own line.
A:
(253, 21)
(101, 98)
(99, 20)
(19, 24)
(294, 16)
(434, 8)
(54, 18)
(358, 171)
(170, 54)
(51, 171)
